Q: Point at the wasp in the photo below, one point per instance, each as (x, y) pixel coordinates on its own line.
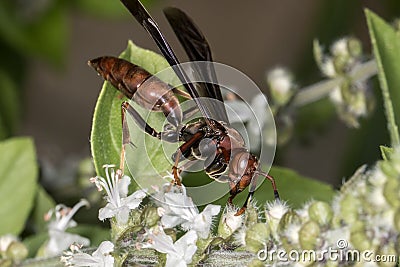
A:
(211, 138)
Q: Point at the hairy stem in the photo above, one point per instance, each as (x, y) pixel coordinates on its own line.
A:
(319, 90)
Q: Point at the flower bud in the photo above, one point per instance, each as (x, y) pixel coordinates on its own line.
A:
(340, 55)
(229, 223)
(360, 240)
(349, 206)
(320, 212)
(149, 216)
(355, 47)
(257, 236)
(273, 213)
(308, 235)
(251, 215)
(281, 86)
(290, 217)
(16, 251)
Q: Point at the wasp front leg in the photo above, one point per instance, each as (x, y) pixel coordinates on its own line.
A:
(253, 188)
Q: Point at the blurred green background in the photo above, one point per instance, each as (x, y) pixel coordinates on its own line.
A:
(47, 90)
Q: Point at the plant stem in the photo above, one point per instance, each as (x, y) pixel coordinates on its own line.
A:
(319, 90)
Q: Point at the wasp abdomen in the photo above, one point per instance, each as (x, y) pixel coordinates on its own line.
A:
(122, 74)
(138, 84)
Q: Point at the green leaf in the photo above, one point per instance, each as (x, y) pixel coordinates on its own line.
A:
(292, 187)
(298, 189)
(386, 47)
(9, 106)
(43, 204)
(18, 175)
(107, 127)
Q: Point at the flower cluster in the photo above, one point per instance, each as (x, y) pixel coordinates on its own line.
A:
(353, 97)
(361, 225)
(170, 230)
(146, 227)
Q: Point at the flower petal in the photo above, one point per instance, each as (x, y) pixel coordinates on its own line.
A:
(60, 241)
(186, 245)
(123, 185)
(212, 209)
(105, 247)
(133, 201)
(108, 211)
(122, 215)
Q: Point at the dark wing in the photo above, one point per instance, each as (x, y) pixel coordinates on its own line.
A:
(198, 49)
(143, 17)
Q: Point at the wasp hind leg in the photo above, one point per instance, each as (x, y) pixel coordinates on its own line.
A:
(169, 136)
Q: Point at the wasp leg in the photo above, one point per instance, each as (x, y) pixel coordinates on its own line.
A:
(169, 136)
(183, 150)
(249, 196)
(252, 189)
(272, 180)
(139, 120)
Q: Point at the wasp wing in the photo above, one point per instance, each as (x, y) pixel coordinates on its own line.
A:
(143, 17)
(198, 49)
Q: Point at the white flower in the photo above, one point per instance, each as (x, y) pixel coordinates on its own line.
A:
(116, 187)
(100, 258)
(280, 80)
(59, 239)
(180, 253)
(230, 220)
(276, 209)
(179, 209)
(274, 212)
(340, 48)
